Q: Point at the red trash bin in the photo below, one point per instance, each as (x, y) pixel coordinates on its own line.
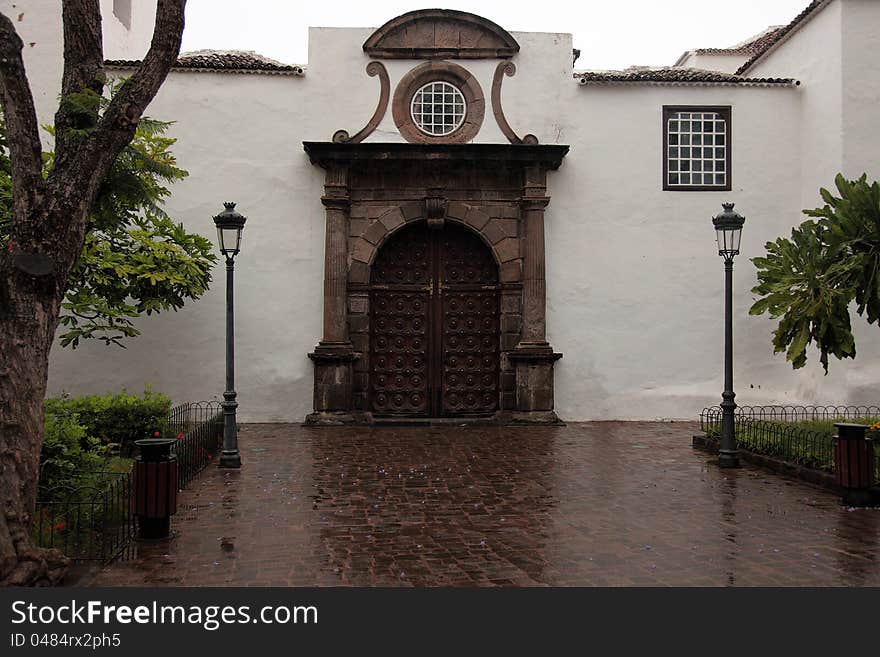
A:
(853, 463)
(155, 487)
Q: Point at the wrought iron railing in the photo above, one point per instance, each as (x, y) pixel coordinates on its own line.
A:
(89, 518)
(198, 428)
(771, 431)
(793, 413)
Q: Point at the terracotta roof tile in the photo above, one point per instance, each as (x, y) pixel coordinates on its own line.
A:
(232, 61)
(676, 75)
(780, 34)
(750, 47)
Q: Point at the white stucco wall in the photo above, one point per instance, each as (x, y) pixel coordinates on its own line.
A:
(38, 23)
(813, 55)
(240, 138)
(132, 41)
(633, 277)
(544, 72)
(634, 280)
(860, 87)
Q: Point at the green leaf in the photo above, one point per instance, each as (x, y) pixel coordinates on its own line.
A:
(809, 280)
(135, 258)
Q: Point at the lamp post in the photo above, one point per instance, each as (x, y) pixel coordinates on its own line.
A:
(229, 226)
(728, 230)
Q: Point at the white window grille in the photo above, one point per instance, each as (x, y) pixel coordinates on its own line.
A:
(438, 108)
(697, 149)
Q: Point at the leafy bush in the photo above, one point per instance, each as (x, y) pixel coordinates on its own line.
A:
(114, 420)
(67, 449)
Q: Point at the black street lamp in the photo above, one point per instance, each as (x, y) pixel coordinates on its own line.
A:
(728, 230)
(229, 226)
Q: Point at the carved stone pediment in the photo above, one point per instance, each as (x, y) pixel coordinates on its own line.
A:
(440, 33)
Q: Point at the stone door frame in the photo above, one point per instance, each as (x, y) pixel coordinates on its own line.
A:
(415, 182)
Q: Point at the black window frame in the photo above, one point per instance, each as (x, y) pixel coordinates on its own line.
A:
(725, 111)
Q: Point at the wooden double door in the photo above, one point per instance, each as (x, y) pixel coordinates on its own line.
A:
(434, 324)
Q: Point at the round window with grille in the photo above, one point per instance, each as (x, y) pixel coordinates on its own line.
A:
(438, 108)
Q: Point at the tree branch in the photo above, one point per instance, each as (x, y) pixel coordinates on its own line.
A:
(21, 121)
(83, 72)
(117, 126)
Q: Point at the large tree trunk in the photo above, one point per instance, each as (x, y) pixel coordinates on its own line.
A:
(50, 219)
(27, 329)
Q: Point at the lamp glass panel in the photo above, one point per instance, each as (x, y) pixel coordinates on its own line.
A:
(230, 239)
(728, 240)
(719, 235)
(735, 236)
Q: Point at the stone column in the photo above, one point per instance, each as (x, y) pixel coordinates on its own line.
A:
(533, 355)
(334, 354)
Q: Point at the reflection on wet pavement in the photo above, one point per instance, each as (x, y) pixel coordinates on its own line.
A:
(602, 503)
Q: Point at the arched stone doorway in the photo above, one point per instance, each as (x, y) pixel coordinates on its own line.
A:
(496, 194)
(434, 324)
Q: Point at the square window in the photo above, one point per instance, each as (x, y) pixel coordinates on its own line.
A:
(697, 150)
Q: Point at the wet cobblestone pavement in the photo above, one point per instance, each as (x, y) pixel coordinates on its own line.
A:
(604, 503)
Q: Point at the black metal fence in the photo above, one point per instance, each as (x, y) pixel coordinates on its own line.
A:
(771, 431)
(90, 518)
(783, 413)
(198, 427)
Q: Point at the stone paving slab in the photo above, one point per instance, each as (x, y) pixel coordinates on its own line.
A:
(588, 504)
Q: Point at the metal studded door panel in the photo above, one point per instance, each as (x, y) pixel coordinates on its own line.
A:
(399, 331)
(434, 334)
(399, 353)
(469, 308)
(470, 352)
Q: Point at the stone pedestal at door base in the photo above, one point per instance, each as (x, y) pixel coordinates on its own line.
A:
(333, 381)
(534, 384)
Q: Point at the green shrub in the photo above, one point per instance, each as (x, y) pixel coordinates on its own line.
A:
(67, 450)
(115, 420)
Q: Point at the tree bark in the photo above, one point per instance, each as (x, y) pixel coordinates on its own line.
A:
(50, 220)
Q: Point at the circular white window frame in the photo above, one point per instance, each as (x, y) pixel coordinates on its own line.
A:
(445, 129)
